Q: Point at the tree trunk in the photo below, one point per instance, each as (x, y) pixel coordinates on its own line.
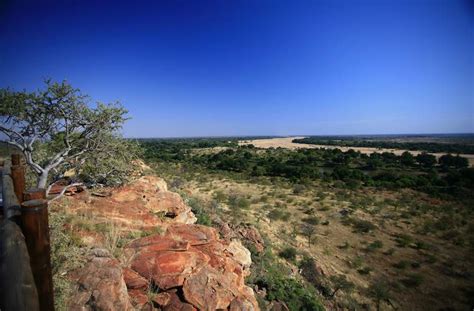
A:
(334, 293)
(43, 180)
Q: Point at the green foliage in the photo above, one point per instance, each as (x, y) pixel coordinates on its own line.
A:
(374, 246)
(349, 169)
(456, 147)
(57, 130)
(288, 253)
(402, 264)
(403, 240)
(361, 226)
(269, 274)
(197, 207)
(412, 280)
(340, 282)
(278, 214)
(426, 160)
(312, 220)
(379, 291)
(113, 167)
(238, 202)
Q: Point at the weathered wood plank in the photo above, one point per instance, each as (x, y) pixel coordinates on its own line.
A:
(17, 285)
(35, 227)
(11, 204)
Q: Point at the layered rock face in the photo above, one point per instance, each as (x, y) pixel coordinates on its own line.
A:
(100, 285)
(188, 267)
(142, 205)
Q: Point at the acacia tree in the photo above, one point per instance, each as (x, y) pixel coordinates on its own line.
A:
(56, 128)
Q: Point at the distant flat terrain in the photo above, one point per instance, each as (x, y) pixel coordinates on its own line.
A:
(286, 142)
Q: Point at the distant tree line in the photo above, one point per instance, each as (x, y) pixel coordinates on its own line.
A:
(432, 147)
(447, 175)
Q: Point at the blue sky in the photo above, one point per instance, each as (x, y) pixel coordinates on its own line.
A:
(216, 68)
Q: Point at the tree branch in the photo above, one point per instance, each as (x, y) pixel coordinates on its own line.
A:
(62, 191)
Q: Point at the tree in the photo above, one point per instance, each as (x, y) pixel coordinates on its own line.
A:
(449, 160)
(56, 129)
(407, 159)
(308, 230)
(426, 160)
(379, 292)
(340, 282)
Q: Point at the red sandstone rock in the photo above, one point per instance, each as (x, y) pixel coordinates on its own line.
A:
(134, 280)
(251, 235)
(159, 243)
(189, 264)
(139, 299)
(195, 234)
(210, 272)
(210, 289)
(162, 299)
(168, 268)
(100, 286)
(241, 304)
(176, 304)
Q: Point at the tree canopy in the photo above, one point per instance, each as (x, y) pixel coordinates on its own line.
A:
(57, 129)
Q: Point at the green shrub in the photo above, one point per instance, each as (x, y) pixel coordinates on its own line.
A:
(238, 202)
(374, 245)
(364, 270)
(298, 189)
(402, 264)
(288, 253)
(296, 294)
(312, 220)
(412, 280)
(362, 226)
(277, 214)
(403, 240)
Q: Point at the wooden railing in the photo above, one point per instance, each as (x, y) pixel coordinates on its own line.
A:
(25, 264)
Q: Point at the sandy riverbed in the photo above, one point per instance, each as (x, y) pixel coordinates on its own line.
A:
(286, 142)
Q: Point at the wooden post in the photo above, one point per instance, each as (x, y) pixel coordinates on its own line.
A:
(35, 227)
(10, 201)
(17, 285)
(16, 159)
(18, 176)
(34, 194)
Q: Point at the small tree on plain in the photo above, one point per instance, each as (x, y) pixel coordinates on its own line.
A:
(308, 231)
(56, 129)
(340, 282)
(379, 292)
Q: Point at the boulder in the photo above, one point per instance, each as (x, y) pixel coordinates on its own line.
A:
(194, 269)
(162, 299)
(195, 234)
(100, 286)
(244, 232)
(240, 253)
(210, 290)
(176, 304)
(168, 269)
(133, 280)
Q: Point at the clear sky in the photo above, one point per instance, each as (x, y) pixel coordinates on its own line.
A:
(201, 68)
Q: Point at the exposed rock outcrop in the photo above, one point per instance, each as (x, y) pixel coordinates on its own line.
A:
(187, 267)
(142, 205)
(100, 286)
(192, 267)
(243, 232)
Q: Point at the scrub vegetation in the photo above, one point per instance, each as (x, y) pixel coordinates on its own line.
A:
(342, 229)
